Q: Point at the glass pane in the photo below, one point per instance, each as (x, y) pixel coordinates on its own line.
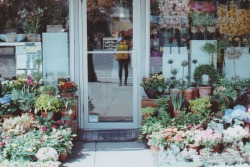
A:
(47, 22)
(110, 75)
(107, 20)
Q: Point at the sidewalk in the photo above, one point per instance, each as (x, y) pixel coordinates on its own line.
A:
(111, 154)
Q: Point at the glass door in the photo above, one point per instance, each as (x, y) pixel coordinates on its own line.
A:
(110, 79)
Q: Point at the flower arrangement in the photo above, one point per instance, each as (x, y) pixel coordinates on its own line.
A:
(154, 81)
(47, 154)
(174, 14)
(67, 87)
(233, 21)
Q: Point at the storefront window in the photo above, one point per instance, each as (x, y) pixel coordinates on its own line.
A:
(31, 29)
(179, 29)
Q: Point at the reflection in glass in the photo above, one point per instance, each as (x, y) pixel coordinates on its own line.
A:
(110, 75)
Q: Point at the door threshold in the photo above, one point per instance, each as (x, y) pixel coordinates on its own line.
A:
(121, 135)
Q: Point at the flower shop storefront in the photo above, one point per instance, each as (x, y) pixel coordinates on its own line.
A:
(173, 68)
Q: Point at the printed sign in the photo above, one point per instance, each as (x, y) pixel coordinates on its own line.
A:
(109, 43)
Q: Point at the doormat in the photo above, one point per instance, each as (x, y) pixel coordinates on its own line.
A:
(121, 135)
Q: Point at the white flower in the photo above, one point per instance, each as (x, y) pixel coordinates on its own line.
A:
(47, 154)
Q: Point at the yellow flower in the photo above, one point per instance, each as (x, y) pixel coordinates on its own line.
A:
(14, 145)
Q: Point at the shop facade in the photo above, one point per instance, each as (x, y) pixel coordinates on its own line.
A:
(108, 46)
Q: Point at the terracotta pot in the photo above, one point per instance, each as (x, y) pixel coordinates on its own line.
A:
(148, 103)
(195, 93)
(7, 116)
(63, 156)
(205, 91)
(45, 114)
(188, 94)
(66, 94)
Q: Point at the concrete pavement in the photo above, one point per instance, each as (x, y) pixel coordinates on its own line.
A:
(111, 154)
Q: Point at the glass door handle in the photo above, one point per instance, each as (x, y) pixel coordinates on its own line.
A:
(133, 59)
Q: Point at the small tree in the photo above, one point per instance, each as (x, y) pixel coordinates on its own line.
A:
(210, 48)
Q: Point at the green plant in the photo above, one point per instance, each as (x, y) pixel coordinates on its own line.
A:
(25, 98)
(176, 99)
(224, 93)
(205, 69)
(67, 103)
(162, 102)
(37, 75)
(48, 89)
(148, 110)
(200, 104)
(210, 48)
(45, 102)
(184, 64)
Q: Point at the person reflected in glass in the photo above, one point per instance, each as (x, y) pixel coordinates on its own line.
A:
(123, 59)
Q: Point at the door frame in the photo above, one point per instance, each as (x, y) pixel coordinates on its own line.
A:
(83, 71)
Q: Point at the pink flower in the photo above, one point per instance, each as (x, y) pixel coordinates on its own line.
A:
(68, 129)
(59, 121)
(222, 88)
(67, 122)
(43, 128)
(54, 126)
(29, 82)
(2, 143)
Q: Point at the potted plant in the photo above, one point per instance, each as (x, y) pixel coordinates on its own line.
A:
(47, 105)
(210, 48)
(177, 100)
(48, 89)
(153, 85)
(68, 107)
(24, 98)
(31, 19)
(67, 89)
(148, 111)
(202, 104)
(205, 89)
